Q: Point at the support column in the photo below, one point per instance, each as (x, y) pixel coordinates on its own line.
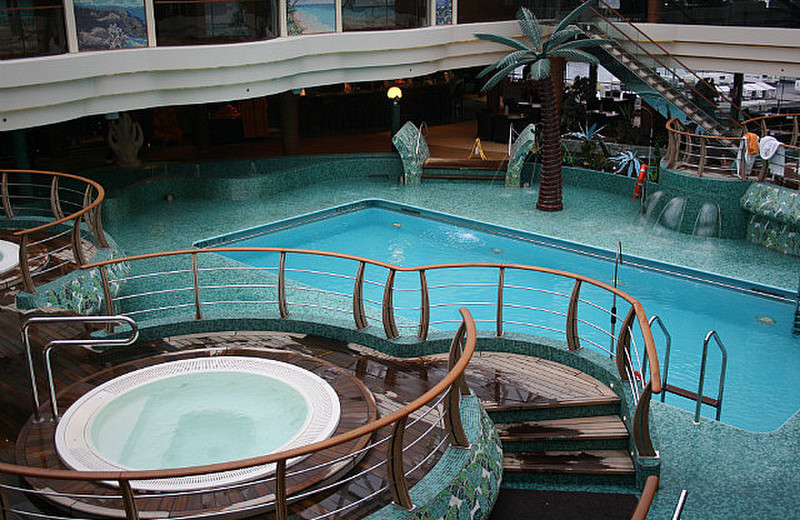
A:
(654, 11)
(290, 124)
(19, 144)
(736, 96)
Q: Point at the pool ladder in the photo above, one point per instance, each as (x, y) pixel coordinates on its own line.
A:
(796, 328)
(93, 343)
(698, 396)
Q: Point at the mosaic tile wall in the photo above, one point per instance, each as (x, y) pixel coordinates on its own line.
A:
(464, 484)
(775, 220)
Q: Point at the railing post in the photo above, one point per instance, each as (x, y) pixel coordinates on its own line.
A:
(424, 308)
(358, 298)
(281, 505)
(24, 266)
(5, 505)
(394, 465)
(77, 247)
(108, 303)
(452, 416)
(128, 500)
(6, 197)
(501, 277)
(624, 344)
(573, 340)
(198, 315)
(94, 219)
(55, 202)
(389, 325)
(701, 163)
(641, 423)
(282, 305)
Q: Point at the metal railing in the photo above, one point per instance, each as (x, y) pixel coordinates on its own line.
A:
(89, 342)
(666, 65)
(69, 207)
(703, 154)
(404, 301)
(433, 418)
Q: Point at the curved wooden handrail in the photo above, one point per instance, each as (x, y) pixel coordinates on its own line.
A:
(93, 205)
(636, 307)
(646, 499)
(447, 381)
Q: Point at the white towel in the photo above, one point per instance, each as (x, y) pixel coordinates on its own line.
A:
(772, 150)
(745, 159)
(767, 147)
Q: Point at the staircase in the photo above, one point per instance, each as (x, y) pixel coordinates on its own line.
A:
(630, 61)
(567, 442)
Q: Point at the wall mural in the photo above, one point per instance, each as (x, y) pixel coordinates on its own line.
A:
(110, 24)
(311, 16)
(444, 12)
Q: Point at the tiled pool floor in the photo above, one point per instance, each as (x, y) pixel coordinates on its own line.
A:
(730, 473)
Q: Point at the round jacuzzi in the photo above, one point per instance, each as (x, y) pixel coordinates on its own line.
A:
(194, 412)
(9, 256)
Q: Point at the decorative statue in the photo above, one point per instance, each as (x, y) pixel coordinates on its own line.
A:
(125, 137)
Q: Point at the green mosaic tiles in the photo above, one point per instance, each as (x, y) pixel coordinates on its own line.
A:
(775, 220)
(465, 483)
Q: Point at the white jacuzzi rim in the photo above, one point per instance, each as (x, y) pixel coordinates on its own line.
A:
(9, 256)
(75, 449)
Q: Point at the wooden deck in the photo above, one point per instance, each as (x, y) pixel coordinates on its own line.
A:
(498, 379)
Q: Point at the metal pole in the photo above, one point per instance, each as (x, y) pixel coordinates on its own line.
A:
(617, 261)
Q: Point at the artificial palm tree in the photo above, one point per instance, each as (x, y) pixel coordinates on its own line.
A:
(535, 56)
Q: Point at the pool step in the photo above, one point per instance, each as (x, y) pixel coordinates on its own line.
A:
(574, 433)
(568, 467)
(553, 409)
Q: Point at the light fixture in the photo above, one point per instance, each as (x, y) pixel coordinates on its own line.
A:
(394, 93)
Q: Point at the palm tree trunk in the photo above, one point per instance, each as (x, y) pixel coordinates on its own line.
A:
(550, 180)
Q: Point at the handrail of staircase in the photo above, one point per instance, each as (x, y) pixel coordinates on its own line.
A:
(678, 61)
(646, 499)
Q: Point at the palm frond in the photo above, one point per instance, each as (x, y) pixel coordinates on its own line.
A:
(540, 69)
(502, 74)
(574, 15)
(512, 57)
(574, 55)
(560, 37)
(509, 42)
(530, 27)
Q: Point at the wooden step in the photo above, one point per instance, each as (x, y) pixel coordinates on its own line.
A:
(545, 404)
(587, 462)
(602, 427)
(443, 163)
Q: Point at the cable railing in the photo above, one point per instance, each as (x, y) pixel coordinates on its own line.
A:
(703, 155)
(413, 436)
(668, 66)
(403, 302)
(61, 216)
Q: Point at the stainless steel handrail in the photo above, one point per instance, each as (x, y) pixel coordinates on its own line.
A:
(668, 337)
(96, 342)
(679, 506)
(711, 334)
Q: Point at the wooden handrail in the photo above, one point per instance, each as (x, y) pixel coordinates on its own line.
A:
(646, 500)
(442, 386)
(78, 214)
(388, 315)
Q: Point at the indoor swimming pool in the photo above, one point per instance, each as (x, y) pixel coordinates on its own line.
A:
(753, 321)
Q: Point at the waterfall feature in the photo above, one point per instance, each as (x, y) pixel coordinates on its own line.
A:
(707, 223)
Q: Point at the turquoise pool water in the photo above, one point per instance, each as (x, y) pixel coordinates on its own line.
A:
(194, 419)
(756, 327)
